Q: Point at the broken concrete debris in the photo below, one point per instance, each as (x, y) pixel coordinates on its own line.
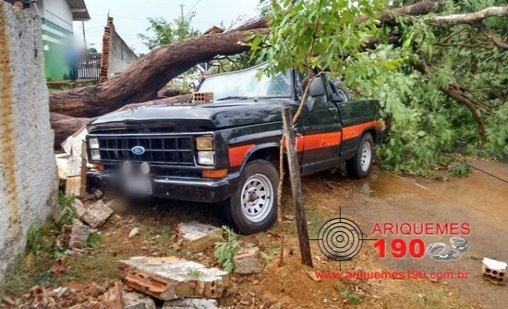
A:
(494, 271)
(75, 236)
(194, 236)
(190, 303)
(97, 214)
(249, 261)
(135, 300)
(168, 278)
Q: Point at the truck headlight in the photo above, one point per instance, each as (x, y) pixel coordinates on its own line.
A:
(96, 155)
(206, 157)
(93, 143)
(204, 142)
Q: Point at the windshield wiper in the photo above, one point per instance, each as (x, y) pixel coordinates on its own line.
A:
(233, 98)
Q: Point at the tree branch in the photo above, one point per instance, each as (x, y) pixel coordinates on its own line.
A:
(454, 92)
(501, 45)
(417, 9)
(470, 18)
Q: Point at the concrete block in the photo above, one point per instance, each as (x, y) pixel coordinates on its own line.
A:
(97, 214)
(73, 186)
(249, 261)
(168, 278)
(194, 236)
(190, 303)
(134, 300)
(75, 236)
(494, 271)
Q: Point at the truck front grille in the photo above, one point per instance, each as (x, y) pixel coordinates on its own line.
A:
(165, 150)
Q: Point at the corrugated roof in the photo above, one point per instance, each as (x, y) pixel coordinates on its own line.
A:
(78, 10)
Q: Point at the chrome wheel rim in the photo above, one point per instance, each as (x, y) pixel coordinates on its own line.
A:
(257, 198)
(366, 156)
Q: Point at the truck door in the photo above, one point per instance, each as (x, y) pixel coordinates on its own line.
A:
(322, 133)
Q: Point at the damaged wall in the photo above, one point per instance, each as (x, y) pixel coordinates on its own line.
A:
(28, 177)
(116, 54)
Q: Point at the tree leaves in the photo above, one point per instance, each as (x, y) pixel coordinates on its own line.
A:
(166, 32)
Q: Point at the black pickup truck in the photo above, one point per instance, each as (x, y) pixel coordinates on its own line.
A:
(227, 151)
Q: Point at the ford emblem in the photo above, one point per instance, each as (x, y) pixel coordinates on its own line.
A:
(138, 150)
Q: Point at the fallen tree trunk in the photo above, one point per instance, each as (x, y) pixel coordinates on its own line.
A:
(141, 81)
(64, 126)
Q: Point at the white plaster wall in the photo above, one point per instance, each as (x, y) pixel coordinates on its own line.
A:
(57, 11)
(28, 177)
(120, 55)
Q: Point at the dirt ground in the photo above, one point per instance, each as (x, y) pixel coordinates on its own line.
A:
(382, 197)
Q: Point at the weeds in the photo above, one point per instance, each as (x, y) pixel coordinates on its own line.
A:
(94, 240)
(67, 210)
(269, 253)
(460, 169)
(226, 250)
(349, 296)
(35, 243)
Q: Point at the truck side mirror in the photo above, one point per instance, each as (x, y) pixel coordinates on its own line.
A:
(317, 88)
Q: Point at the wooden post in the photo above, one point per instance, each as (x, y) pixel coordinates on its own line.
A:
(82, 189)
(296, 187)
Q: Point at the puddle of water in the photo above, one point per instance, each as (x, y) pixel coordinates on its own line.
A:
(382, 185)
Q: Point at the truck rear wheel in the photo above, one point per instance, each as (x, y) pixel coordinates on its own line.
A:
(361, 164)
(253, 207)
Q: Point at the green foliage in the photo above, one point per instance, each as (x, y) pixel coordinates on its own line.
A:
(349, 296)
(225, 250)
(304, 34)
(66, 208)
(460, 169)
(426, 121)
(35, 242)
(269, 253)
(93, 240)
(166, 32)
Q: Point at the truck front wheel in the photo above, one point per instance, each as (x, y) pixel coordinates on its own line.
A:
(359, 166)
(253, 207)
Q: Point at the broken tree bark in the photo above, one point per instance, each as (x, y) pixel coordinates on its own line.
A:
(141, 81)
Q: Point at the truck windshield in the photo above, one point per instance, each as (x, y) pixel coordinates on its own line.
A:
(246, 84)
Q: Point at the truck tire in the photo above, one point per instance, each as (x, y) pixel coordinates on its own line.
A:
(360, 165)
(253, 207)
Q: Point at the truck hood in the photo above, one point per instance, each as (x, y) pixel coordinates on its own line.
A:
(208, 116)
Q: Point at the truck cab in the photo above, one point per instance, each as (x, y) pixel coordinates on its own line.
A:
(226, 150)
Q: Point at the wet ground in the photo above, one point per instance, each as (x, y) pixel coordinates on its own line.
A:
(478, 200)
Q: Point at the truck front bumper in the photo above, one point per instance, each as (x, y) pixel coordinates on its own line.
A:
(173, 187)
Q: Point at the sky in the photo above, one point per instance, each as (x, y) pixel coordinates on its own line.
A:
(130, 17)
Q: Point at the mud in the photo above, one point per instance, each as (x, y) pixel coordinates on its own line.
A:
(478, 200)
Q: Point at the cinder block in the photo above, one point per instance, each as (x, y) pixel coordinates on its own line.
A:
(494, 271)
(202, 97)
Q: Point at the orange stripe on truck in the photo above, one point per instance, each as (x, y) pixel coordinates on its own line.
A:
(316, 141)
(237, 154)
(357, 129)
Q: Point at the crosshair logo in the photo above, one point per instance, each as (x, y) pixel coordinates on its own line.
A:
(340, 239)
